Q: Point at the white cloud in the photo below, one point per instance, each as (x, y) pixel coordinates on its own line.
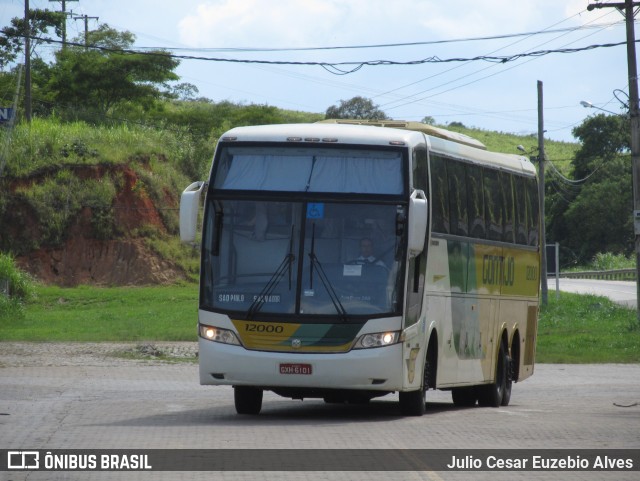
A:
(259, 23)
(299, 23)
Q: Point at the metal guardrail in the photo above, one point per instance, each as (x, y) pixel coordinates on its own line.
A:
(611, 275)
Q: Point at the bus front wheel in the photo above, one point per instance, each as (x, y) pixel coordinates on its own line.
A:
(248, 400)
(413, 403)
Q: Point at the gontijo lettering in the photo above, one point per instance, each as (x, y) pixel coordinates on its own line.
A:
(498, 270)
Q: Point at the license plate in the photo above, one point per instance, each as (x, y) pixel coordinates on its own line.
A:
(296, 369)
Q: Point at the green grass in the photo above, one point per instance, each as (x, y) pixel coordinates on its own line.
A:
(106, 314)
(587, 329)
(48, 144)
(575, 329)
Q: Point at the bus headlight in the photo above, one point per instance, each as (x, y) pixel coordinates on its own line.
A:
(217, 334)
(377, 339)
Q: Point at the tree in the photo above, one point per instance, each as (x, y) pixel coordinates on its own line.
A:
(599, 218)
(356, 108)
(603, 137)
(593, 214)
(13, 35)
(105, 75)
(183, 91)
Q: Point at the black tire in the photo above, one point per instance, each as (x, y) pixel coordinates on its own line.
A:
(464, 396)
(491, 395)
(248, 400)
(413, 403)
(506, 396)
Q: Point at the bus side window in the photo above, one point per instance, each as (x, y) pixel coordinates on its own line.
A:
(476, 202)
(522, 231)
(532, 211)
(509, 214)
(493, 205)
(420, 170)
(458, 198)
(440, 195)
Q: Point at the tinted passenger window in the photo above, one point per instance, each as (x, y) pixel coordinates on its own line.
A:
(522, 231)
(457, 174)
(507, 193)
(532, 211)
(440, 195)
(493, 204)
(475, 202)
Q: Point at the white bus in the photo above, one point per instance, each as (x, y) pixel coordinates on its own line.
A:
(345, 262)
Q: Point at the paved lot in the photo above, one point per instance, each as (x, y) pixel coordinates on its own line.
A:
(80, 396)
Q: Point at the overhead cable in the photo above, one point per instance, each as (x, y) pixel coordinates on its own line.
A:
(336, 65)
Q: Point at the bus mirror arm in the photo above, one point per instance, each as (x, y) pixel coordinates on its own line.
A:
(189, 206)
(418, 217)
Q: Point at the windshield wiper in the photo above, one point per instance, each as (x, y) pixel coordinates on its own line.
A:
(275, 279)
(323, 277)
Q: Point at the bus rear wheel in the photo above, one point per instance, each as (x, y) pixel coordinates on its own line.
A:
(506, 395)
(248, 400)
(493, 395)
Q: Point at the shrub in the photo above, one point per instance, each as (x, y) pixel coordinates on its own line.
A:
(17, 284)
(604, 261)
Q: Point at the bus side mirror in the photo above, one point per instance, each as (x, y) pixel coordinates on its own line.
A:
(189, 206)
(418, 217)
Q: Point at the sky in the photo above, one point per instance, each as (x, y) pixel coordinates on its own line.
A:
(426, 35)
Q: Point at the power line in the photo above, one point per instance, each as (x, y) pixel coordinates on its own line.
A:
(387, 45)
(357, 64)
(448, 84)
(457, 67)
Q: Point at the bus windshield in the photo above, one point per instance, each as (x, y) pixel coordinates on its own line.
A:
(337, 259)
(308, 169)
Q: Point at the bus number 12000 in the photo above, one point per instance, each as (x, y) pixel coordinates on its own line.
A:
(269, 328)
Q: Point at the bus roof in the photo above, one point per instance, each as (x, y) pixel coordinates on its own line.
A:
(370, 133)
(318, 133)
(417, 126)
(511, 162)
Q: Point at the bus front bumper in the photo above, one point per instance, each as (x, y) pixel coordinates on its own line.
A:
(378, 369)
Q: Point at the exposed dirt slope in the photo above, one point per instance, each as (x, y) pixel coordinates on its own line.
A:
(127, 260)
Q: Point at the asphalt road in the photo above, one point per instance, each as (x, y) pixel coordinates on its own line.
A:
(622, 292)
(106, 403)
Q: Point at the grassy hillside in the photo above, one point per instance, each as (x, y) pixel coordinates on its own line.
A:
(72, 180)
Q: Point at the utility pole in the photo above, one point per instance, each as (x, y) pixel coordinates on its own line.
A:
(86, 27)
(64, 25)
(544, 288)
(626, 8)
(27, 63)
